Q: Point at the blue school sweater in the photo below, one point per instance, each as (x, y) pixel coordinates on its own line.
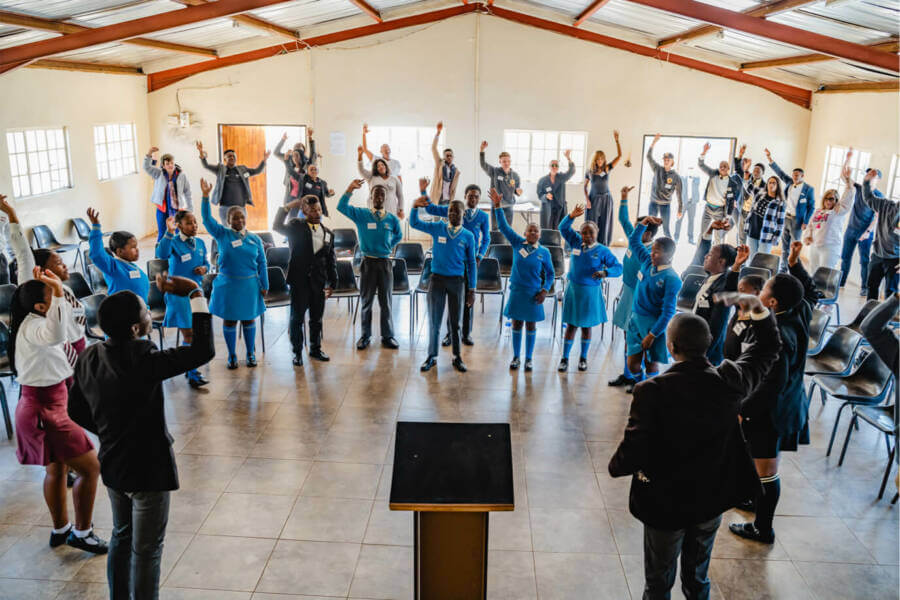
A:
(377, 235)
(630, 264)
(532, 267)
(584, 262)
(119, 274)
(476, 221)
(182, 256)
(657, 289)
(452, 255)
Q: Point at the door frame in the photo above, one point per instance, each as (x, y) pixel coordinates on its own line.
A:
(221, 125)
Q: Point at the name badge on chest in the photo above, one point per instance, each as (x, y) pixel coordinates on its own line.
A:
(628, 253)
(523, 252)
(576, 252)
(372, 225)
(134, 274)
(237, 243)
(185, 257)
(442, 240)
(640, 275)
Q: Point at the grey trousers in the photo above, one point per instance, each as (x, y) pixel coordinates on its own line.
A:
(711, 214)
(791, 232)
(136, 544)
(661, 550)
(376, 276)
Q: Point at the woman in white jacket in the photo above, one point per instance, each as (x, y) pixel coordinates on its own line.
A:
(171, 189)
(824, 233)
(381, 175)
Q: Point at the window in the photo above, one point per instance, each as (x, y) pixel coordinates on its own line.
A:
(114, 147)
(411, 146)
(893, 181)
(532, 151)
(834, 162)
(38, 161)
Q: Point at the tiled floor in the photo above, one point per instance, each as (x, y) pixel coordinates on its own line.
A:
(285, 475)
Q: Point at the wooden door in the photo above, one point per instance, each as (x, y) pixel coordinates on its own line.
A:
(249, 144)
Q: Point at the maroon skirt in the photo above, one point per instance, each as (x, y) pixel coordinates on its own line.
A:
(44, 431)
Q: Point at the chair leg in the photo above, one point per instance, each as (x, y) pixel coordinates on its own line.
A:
(262, 331)
(5, 408)
(809, 392)
(887, 472)
(847, 440)
(837, 420)
(162, 343)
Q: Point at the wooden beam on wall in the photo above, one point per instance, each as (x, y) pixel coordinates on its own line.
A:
(785, 34)
(803, 59)
(590, 10)
(772, 8)
(864, 86)
(29, 22)
(129, 29)
(368, 9)
(252, 21)
(70, 65)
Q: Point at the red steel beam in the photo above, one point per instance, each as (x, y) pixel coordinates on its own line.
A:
(763, 28)
(367, 8)
(130, 29)
(587, 12)
(804, 59)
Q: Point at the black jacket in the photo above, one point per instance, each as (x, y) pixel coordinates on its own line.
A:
(118, 396)
(307, 268)
(683, 443)
(716, 313)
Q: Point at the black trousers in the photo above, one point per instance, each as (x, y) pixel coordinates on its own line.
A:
(467, 312)
(376, 276)
(451, 290)
(881, 268)
(306, 295)
(551, 214)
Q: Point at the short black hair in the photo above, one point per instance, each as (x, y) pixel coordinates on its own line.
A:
(119, 239)
(877, 172)
(757, 282)
(667, 245)
(787, 291)
(310, 199)
(470, 187)
(652, 227)
(448, 150)
(181, 214)
(689, 335)
(799, 169)
(117, 314)
(727, 252)
(761, 166)
(41, 256)
(229, 150)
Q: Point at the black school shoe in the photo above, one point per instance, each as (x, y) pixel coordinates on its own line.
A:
(563, 365)
(90, 543)
(58, 539)
(750, 532)
(459, 365)
(582, 364)
(446, 341)
(529, 365)
(390, 343)
(468, 341)
(363, 343)
(619, 381)
(514, 365)
(298, 360)
(428, 364)
(317, 354)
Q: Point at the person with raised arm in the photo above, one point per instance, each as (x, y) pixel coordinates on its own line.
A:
(666, 183)
(446, 174)
(296, 163)
(886, 249)
(232, 186)
(598, 199)
(824, 233)
(119, 265)
(751, 183)
(765, 222)
(860, 230)
(551, 191)
(530, 280)
(393, 164)
(723, 192)
(722, 263)
(504, 180)
(382, 176)
(799, 204)
(591, 262)
(171, 188)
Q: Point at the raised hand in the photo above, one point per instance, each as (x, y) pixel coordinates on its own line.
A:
(423, 184)
(170, 224)
(359, 152)
(93, 216)
(205, 187)
(625, 191)
(577, 211)
(440, 126)
(153, 150)
(648, 220)
(420, 202)
(845, 173)
(870, 175)
(8, 210)
(706, 148)
(794, 256)
(354, 185)
(746, 302)
(616, 134)
(295, 203)
(365, 128)
(483, 145)
(495, 197)
(178, 286)
(49, 278)
(768, 154)
(540, 296)
(284, 136)
(742, 150)
(201, 270)
(568, 155)
(655, 139)
(267, 155)
(743, 253)
(200, 149)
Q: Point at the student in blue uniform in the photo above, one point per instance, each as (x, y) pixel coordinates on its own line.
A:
(479, 223)
(242, 282)
(654, 304)
(529, 282)
(630, 267)
(186, 254)
(118, 266)
(453, 273)
(590, 263)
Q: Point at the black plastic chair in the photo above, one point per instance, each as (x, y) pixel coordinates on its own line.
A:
(155, 266)
(886, 419)
(490, 283)
(214, 254)
(44, 238)
(504, 255)
(347, 286)
(558, 260)
(761, 271)
(79, 285)
(402, 288)
(693, 270)
(766, 261)
(868, 385)
(688, 293)
(279, 295)
(421, 287)
(156, 304)
(267, 238)
(279, 257)
(206, 284)
(345, 241)
(357, 259)
(414, 255)
(98, 281)
(828, 283)
(5, 371)
(92, 321)
(83, 231)
(818, 325)
(551, 237)
(498, 239)
(856, 323)
(6, 295)
(836, 356)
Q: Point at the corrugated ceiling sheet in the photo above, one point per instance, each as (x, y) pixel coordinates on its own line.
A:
(209, 34)
(880, 15)
(65, 9)
(742, 47)
(116, 53)
(825, 26)
(834, 71)
(303, 13)
(641, 19)
(14, 36)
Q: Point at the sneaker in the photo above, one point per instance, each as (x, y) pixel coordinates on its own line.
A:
(750, 532)
(529, 365)
(563, 365)
(582, 364)
(58, 539)
(251, 360)
(232, 363)
(514, 365)
(89, 543)
(619, 381)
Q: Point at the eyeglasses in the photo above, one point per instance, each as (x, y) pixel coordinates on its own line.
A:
(552, 165)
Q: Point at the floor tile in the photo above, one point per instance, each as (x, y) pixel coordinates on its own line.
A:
(311, 568)
(575, 576)
(248, 515)
(221, 563)
(270, 476)
(384, 572)
(328, 519)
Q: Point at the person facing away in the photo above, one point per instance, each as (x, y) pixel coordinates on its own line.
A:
(379, 233)
(312, 273)
(859, 232)
(684, 452)
(118, 396)
(886, 249)
(446, 173)
(171, 189)
(232, 187)
(551, 191)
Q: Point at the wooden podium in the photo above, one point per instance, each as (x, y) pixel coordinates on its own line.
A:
(451, 475)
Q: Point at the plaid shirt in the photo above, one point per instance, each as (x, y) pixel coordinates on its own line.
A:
(773, 219)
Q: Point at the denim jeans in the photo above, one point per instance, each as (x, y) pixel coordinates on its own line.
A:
(711, 214)
(690, 212)
(663, 210)
(756, 246)
(136, 544)
(851, 241)
(792, 232)
(661, 550)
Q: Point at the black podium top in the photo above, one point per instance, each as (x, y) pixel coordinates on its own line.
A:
(452, 467)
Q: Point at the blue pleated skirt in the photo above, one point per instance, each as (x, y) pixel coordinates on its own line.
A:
(623, 308)
(520, 306)
(236, 298)
(583, 305)
(178, 312)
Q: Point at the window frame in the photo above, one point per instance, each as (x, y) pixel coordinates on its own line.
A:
(66, 149)
(538, 168)
(893, 182)
(106, 143)
(857, 172)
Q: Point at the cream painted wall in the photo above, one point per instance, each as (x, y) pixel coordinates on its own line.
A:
(867, 121)
(78, 101)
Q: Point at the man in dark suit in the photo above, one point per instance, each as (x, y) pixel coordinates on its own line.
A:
(684, 449)
(312, 272)
(117, 395)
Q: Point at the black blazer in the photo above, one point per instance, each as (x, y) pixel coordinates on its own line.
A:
(306, 267)
(716, 313)
(118, 396)
(683, 444)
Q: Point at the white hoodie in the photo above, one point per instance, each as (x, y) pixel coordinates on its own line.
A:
(826, 227)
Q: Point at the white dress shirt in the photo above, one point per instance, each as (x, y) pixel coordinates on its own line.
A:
(41, 354)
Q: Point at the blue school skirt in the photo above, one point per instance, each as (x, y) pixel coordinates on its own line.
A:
(583, 305)
(638, 328)
(178, 312)
(520, 306)
(623, 308)
(236, 298)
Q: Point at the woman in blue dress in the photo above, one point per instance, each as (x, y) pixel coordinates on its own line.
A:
(590, 263)
(186, 254)
(242, 280)
(529, 283)
(598, 199)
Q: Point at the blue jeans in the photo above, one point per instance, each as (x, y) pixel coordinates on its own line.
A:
(756, 246)
(851, 240)
(661, 550)
(663, 210)
(791, 232)
(160, 224)
(136, 544)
